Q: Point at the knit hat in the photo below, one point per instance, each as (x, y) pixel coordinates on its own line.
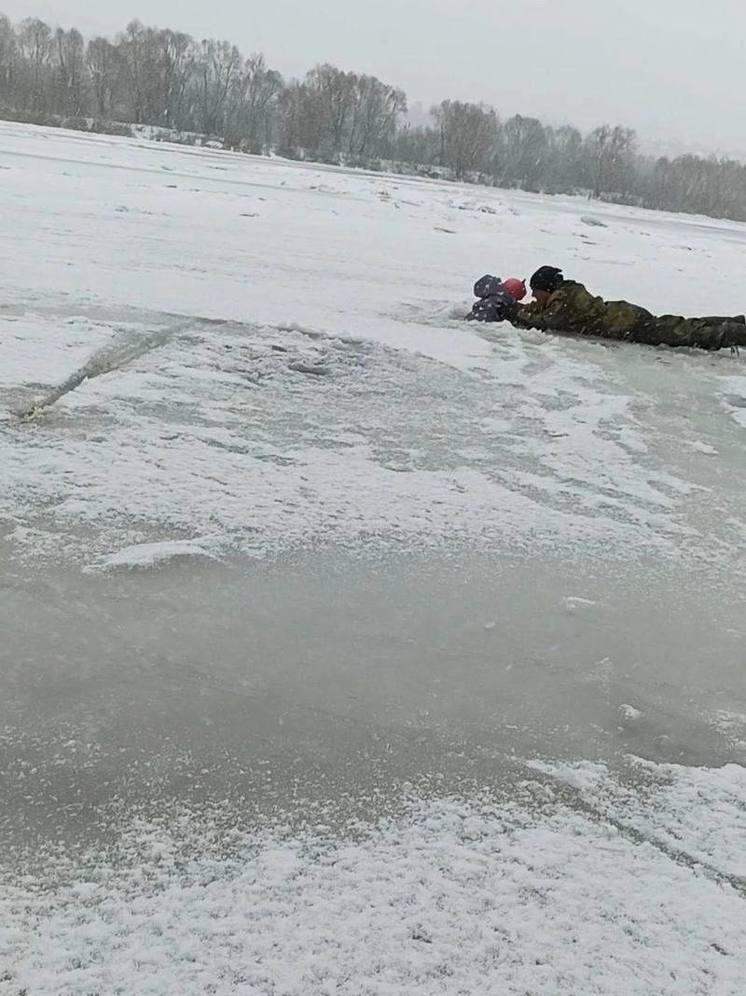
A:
(547, 278)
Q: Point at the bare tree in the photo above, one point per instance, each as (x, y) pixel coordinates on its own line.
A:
(334, 93)
(292, 119)
(217, 69)
(565, 163)
(35, 44)
(8, 59)
(419, 147)
(140, 57)
(376, 111)
(176, 64)
(102, 61)
(525, 148)
(69, 53)
(468, 135)
(610, 154)
(254, 106)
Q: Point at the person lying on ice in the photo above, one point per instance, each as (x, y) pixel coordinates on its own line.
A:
(561, 305)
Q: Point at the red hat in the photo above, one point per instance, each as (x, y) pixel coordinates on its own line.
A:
(515, 287)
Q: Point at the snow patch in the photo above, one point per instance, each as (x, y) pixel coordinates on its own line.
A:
(698, 811)
(152, 554)
(574, 603)
(629, 714)
(453, 897)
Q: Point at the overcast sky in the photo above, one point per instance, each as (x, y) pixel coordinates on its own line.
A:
(673, 69)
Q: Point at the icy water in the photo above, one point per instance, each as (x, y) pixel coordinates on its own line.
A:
(335, 677)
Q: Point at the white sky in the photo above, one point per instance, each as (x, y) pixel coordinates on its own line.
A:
(671, 68)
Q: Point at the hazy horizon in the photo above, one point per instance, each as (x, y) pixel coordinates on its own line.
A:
(584, 63)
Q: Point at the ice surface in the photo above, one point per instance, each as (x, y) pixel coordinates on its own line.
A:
(452, 896)
(525, 436)
(281, 530)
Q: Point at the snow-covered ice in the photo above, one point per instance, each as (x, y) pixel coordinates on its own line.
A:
(452, 896)
(280, 533)
(322, 326)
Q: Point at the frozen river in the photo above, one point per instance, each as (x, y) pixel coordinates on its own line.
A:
(346, 648)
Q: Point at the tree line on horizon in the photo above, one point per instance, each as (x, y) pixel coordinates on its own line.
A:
(207, 90)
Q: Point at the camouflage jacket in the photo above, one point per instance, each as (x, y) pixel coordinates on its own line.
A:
(575, 311)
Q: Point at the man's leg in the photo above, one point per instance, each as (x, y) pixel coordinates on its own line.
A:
(692, 333)
(734, 320)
